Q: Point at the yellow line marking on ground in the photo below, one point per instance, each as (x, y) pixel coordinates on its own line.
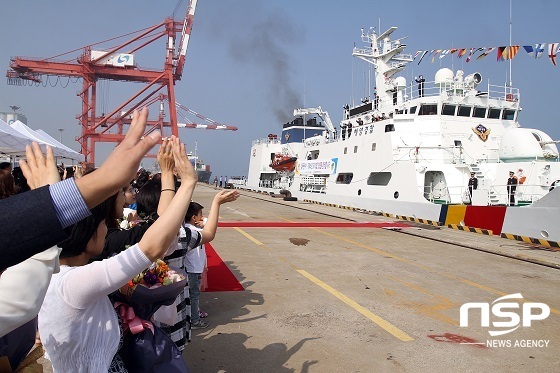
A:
(250, 237)
(450, 276)
(396, 332)
(281, 218)
(387, 326)
(431, 309)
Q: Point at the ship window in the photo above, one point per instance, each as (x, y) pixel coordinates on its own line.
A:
(345, 150)
(344, 178)
(479, 112)
(413, 110)
(373, 146)
(379, 178)
(537, 136)
(448, 110)
(355, 149)
(508, 114)
(494, 114)
(428, 109)
(389, 128)
(464, 111)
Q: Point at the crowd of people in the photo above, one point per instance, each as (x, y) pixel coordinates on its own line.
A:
(70, 247)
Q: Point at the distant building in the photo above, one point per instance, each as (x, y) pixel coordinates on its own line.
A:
(12, 117)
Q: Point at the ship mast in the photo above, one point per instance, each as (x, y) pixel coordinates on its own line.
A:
(386, 57)
(510, 43)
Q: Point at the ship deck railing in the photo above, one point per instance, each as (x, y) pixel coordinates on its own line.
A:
(265, 141)
(453, 91)
(525, 194)
(461, 90)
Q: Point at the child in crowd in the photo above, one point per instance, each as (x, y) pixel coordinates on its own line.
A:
(195, 263)
(192, 239)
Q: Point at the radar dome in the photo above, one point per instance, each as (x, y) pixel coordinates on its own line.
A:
(400, 83)
(524, 144)
(444, 76)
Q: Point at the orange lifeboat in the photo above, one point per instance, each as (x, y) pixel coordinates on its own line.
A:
(282, 162)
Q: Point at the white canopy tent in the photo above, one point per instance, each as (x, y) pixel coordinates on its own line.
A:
(62, 152)
(12, 142)
(61, 146)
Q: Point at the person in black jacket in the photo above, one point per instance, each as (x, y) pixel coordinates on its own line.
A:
(34, 221)
(473, 184)
(420, 80)
(511, 188)
(152, 200)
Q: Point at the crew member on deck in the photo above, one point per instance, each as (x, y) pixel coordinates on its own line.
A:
(420, 80)
(511, 187)
(473, 184)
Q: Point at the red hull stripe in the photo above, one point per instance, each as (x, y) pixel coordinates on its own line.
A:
(309, 224)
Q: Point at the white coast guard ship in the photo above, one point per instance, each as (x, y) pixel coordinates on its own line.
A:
(410, 151)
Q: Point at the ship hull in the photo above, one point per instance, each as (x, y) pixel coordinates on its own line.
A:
(204, 176)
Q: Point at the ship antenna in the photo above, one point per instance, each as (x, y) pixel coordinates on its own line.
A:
(510, 28)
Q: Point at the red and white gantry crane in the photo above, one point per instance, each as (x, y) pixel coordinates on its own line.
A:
(118, 64)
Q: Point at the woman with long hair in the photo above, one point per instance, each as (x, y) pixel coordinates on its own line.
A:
(7, 184)
(78, 325)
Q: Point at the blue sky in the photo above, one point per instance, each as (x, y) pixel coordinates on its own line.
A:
(250, 62)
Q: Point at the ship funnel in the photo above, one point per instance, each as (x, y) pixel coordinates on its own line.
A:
(473, 80)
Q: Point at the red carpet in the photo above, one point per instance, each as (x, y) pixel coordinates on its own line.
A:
(220, 277)
(309, 224)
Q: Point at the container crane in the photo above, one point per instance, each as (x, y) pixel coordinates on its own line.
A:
(117, 63)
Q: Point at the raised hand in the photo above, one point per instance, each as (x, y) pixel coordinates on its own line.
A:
(78, 173)
(226, 196)
(165, 156)
(183, 165)
(38, 170)
(121, 165)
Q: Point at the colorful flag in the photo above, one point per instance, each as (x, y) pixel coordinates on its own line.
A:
(552, 50)
(535, 51)
(423, 55)
(435, 54)
(473, 50)
(416, 55)
(461, 52)
(444, 53)
(451, 51)
(500, 53)
(484, 54)
(539, 49)
(505, 53)
(530, 50)
(512, 51)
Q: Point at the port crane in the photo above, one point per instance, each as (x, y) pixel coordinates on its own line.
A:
(119, 63)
